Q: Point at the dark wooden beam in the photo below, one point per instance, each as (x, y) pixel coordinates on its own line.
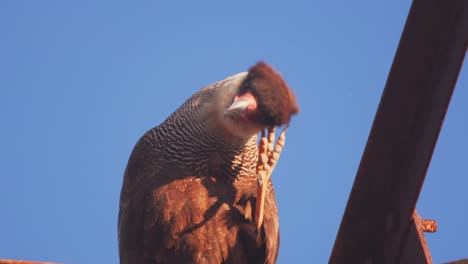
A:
(378, 216)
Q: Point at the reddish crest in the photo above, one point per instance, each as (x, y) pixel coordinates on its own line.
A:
(276, 101)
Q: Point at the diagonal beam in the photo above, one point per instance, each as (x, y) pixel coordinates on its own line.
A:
(378, 216)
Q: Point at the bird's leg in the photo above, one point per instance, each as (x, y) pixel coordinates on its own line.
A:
(269, 154)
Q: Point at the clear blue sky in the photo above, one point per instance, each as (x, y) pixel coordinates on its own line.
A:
(82, 81)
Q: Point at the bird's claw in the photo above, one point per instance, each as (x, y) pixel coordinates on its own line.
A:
(269, 154)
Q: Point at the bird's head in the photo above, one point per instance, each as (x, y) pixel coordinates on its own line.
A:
(256, 100)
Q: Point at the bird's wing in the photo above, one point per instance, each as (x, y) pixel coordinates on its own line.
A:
(166, 216)
(183, 221)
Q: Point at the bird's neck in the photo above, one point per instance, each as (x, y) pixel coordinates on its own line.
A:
(203, 149)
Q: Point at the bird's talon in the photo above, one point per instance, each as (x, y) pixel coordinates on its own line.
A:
(269, 154)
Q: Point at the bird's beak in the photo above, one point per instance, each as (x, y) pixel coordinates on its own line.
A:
(237, 107)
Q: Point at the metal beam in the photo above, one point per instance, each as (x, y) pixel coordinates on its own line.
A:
(378, 216)
(415, 249)
(10, 261)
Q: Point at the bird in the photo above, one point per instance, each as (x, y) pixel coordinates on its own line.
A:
(190, 188)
